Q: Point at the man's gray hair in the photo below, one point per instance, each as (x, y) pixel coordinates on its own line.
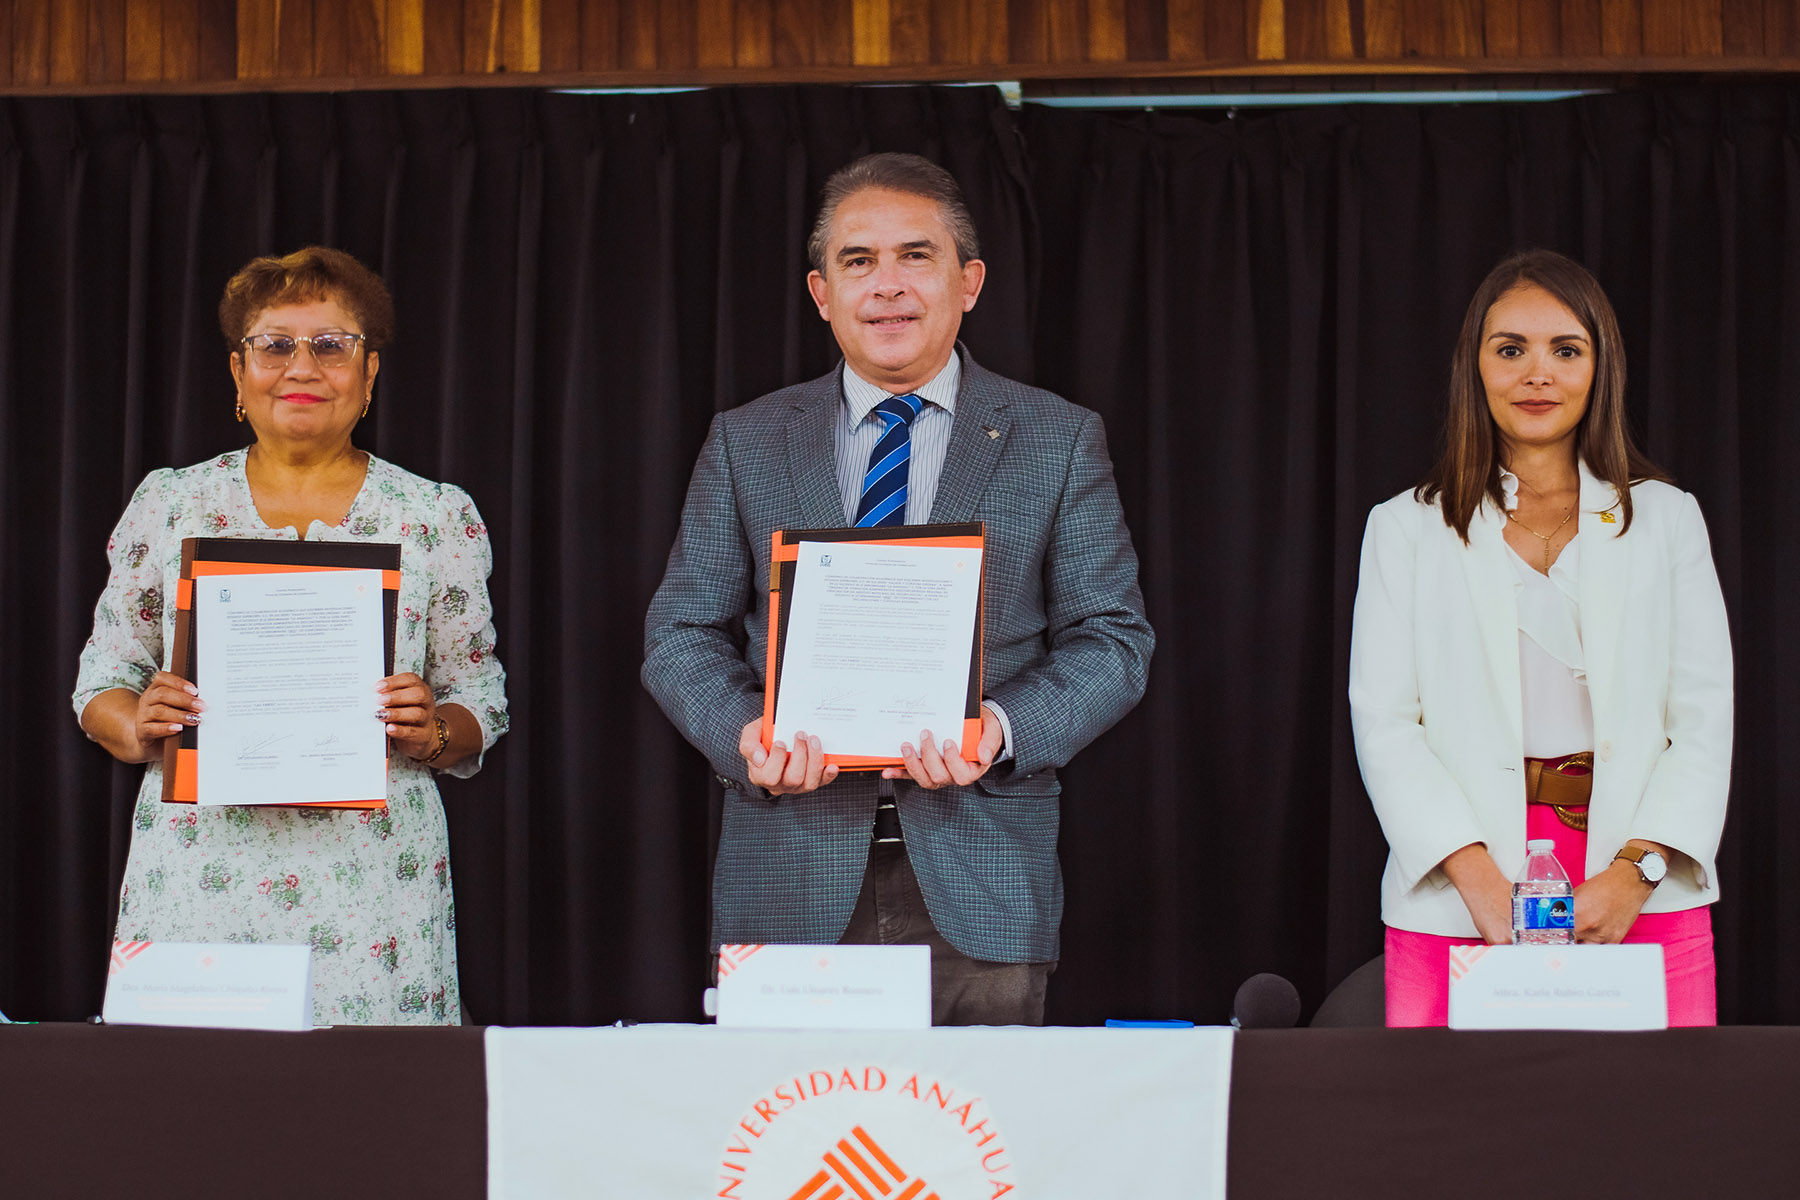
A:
(907, 173)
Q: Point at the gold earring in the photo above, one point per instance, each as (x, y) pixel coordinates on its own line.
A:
(240, 410)
(367, 400)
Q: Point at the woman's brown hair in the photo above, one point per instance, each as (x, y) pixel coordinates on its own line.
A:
(310, 273)
(1468, 469)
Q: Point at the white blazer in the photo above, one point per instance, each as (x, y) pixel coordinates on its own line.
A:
(1435, 694)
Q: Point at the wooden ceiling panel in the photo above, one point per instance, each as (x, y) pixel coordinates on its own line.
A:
(125, 45)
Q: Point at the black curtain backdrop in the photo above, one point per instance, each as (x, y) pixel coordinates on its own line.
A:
(1261, 307)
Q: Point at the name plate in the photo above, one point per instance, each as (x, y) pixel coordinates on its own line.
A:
(1558, 987)
(825, 987)
(209, 985)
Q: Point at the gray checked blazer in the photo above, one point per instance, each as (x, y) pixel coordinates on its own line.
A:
(1068, 649)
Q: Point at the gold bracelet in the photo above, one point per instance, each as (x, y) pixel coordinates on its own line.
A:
(443, 732)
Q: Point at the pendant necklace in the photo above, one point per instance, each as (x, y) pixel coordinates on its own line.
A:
(1542, 537)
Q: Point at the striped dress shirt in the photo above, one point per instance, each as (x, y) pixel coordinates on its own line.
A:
(857, 434)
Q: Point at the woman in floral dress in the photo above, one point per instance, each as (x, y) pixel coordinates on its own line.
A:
(369, 889)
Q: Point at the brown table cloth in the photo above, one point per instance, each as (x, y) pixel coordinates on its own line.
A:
(356, 1112)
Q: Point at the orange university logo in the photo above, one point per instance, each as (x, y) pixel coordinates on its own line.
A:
(858, 1155)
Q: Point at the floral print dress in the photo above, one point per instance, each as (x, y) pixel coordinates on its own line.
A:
(368, 889)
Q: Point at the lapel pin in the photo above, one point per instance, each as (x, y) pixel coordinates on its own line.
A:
(1607, 518)
(993, 433)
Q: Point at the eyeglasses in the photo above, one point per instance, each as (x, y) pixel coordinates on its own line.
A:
(273, 351)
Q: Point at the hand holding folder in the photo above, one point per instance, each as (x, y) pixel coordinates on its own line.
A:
(886, 619)
(257, 564)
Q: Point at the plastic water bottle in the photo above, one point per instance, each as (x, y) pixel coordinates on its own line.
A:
(1543, 900)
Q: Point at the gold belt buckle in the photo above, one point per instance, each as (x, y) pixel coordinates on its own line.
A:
(1571, 818)
(1566, 814)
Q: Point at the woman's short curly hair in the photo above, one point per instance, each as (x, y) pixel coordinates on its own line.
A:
(310, 273)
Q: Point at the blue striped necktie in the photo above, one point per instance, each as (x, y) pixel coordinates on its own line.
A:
(884, 483)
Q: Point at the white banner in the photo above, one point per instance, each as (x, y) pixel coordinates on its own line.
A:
(691, 1112)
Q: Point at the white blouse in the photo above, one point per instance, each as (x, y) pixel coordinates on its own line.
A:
(1558, 714)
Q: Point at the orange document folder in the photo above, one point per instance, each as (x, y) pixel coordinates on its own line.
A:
(201, 557)
(784, 553)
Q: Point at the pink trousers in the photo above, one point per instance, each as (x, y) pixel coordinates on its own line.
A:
(1418, 974)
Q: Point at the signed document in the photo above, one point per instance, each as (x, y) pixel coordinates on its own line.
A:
(879, 639)
(288, 663)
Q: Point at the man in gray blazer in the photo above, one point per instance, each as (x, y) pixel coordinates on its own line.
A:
(955, 854)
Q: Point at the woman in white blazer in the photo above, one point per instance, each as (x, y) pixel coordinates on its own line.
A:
(1540, 649)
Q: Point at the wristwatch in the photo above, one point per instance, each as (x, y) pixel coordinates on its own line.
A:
(1651, 866)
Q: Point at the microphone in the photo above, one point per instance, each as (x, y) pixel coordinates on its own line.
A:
(1265, 1001)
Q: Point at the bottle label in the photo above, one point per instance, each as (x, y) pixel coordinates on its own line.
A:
(1544, 912)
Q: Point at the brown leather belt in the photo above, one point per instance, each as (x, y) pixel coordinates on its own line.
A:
(1565, 784)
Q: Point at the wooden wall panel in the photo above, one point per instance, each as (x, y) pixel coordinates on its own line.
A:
(295, 44)
(1702, 28)
(256, 32)
(909, 32)
(331, 38)
(1780, 35)
(216, 43)
(676, 34)
(1343, 30)
(1742, 26)
(1500, 29)
(1463, 29)
(1067, 40)
(364, 27)
(1226, 34)
(1028, 31)
(1621, 29)
(1540, 28)
(1146, 30)
(1304, 37)
(480, 36)
(948, 31)
(522, 35)
(1422, 28)
(1267, 21)
(106, 41)
(127, 45)
(715, 33)
(873, 32)
(1108, 39)
(753, 33)
(988, 25)
(144, 40)
(68, 42)
(559, 22)
(1581, 28)
(1384, 28)
(1187, 30)
(30, 42)
(833, 36)
(1662, 27)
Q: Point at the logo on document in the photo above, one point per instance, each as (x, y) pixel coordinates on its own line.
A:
(224, 595)
(866, 1130)
(824, 560)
